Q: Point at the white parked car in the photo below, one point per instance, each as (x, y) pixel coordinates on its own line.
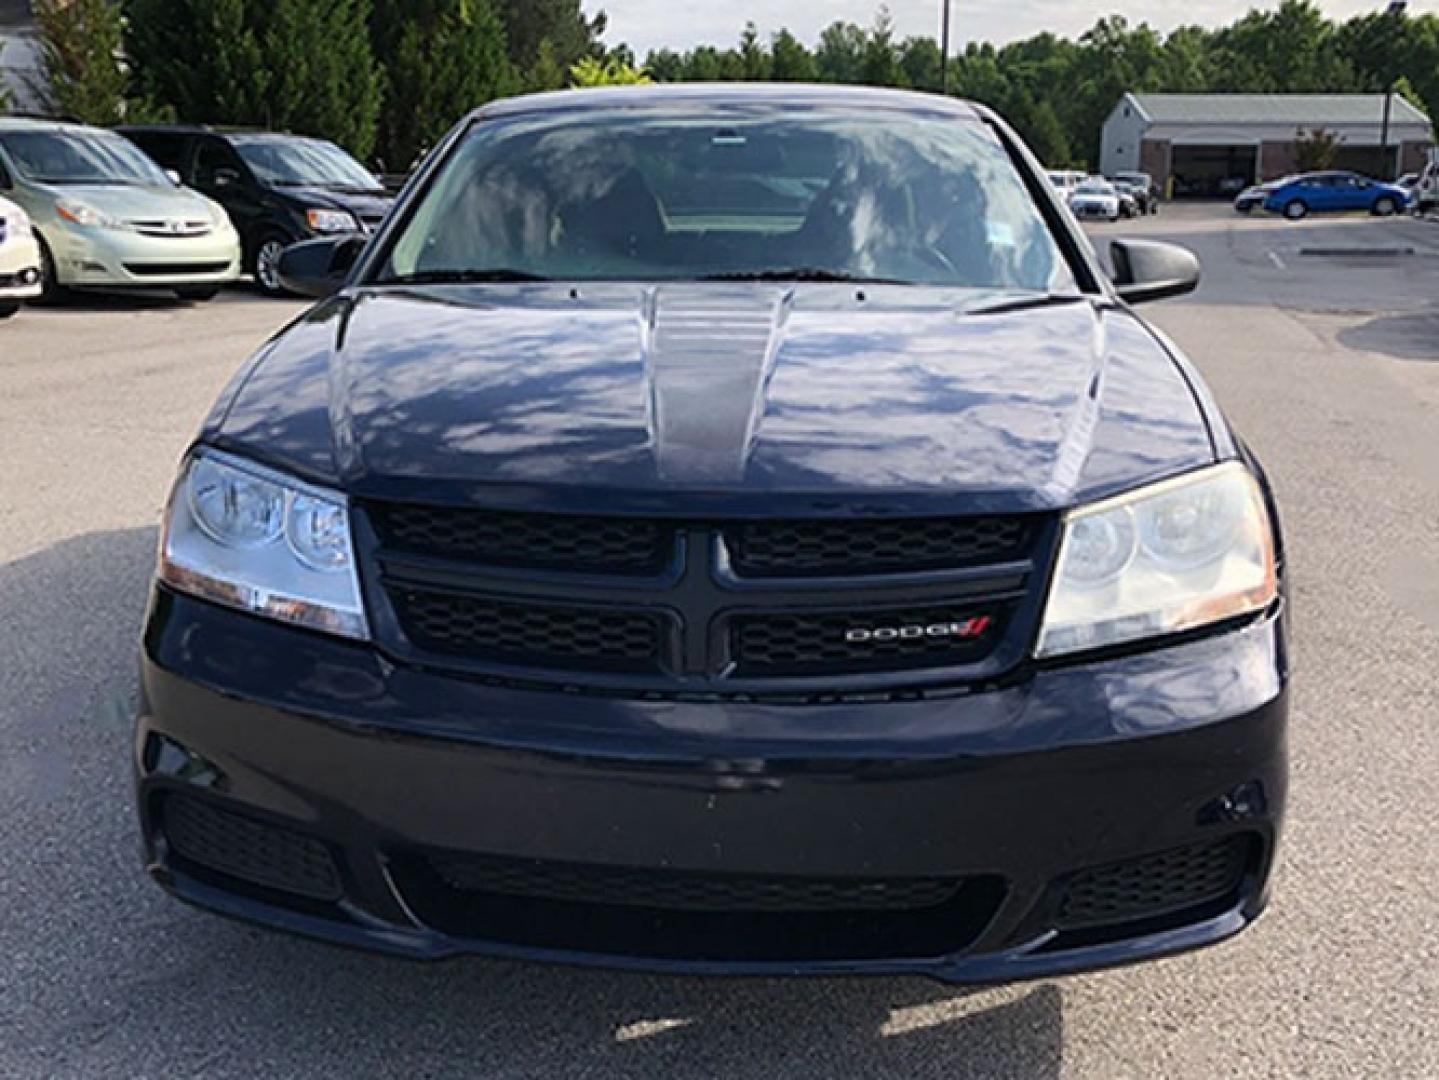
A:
(19, 259)
(1424, 196)
(1095, 198)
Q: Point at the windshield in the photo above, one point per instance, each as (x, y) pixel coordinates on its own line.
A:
(300, 162)
(1095, 187)
(79, 157)
(740, 193)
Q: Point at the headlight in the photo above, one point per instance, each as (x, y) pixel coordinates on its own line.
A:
(332, 221)
(251, 538)
(1166, 558)
(84, 214)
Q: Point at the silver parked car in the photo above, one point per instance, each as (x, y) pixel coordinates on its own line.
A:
(106, 216)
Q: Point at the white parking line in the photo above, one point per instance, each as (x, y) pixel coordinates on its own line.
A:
(1276, 260)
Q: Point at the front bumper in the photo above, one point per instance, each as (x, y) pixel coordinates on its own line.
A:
(19, 268)
(104, 258)
(383, 773)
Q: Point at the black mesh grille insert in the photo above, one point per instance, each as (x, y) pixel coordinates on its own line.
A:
(556, 541)
(693, 916)
(778, 548)
(249, 849)
(818, 642)
(572, 636)
(1154, 885)
(688, 891)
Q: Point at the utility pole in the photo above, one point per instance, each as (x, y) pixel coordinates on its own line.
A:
(1395, 11)
(944, 47)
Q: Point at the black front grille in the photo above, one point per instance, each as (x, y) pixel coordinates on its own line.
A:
(1154, 885)
(593, 638)
(184, 269)
(788, 548)
(597, 544)
(244, 847)
(812, 642)
(688, 891)
(693, 916)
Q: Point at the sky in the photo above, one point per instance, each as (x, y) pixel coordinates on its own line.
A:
(682, 24)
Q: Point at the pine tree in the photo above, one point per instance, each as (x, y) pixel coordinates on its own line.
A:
(789, 60)
(80, 57)
(441, 59)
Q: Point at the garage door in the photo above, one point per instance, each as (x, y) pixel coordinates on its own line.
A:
(1208, 171)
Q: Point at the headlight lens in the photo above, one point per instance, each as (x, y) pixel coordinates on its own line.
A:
(1160, 560)
(251, 538)
(86, 215)
(332, 221)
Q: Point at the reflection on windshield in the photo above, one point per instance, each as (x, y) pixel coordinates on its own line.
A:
(54, 157)
(308, 162)
(758, 193)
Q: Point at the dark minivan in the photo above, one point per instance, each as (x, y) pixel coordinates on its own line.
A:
(726, 529)
(277, 188)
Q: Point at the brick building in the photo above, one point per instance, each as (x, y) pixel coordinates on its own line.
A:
(1212, 144)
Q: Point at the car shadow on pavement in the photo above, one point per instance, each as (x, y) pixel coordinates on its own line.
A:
(105, 974)
(1412, 336)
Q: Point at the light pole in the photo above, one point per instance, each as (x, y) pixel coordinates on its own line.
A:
(1395, 11)
(944, 47)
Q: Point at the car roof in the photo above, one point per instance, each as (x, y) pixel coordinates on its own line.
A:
(802, 95)
(206, 129)
(34, 123)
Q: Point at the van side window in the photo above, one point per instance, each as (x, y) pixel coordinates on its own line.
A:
(212, 157)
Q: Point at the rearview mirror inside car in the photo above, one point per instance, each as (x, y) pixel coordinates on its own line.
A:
(226, 178)
(319, 267)
(1151, 270)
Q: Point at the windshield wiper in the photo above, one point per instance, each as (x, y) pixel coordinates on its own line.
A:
(799, 273)
(453, 277)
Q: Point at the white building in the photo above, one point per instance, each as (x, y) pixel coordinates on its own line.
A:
(1211, 143)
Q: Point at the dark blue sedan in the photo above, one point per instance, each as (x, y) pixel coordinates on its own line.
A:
(723, 529)
(1333, 192)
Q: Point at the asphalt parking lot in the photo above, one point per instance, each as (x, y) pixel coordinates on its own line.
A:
(1321, 340)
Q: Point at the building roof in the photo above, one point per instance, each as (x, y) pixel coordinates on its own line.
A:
(1297, 109)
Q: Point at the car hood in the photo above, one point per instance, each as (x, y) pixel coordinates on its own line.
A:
(716, 398)
(133, 202)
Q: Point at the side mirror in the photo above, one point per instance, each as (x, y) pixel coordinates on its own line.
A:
(174, 178)
(1150, 270)
(318, 268)
(226, 178)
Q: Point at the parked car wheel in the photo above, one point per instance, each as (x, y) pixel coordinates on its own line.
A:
(265, 265)
(1295, 209)
(198, 294)
(51, 291)
(8, 308)
(1384, 206)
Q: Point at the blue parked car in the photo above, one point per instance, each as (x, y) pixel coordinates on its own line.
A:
(1329, 192)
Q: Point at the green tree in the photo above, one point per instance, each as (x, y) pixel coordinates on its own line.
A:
(755, 62)
(299, 65)
(440, 58)
(840, 55)
(879, 59)
(607, 72)
(83, 71)
(571, 34)
(1315, 150)
(546, 73)
(665, 65)
(920, 60)
(790, 61)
